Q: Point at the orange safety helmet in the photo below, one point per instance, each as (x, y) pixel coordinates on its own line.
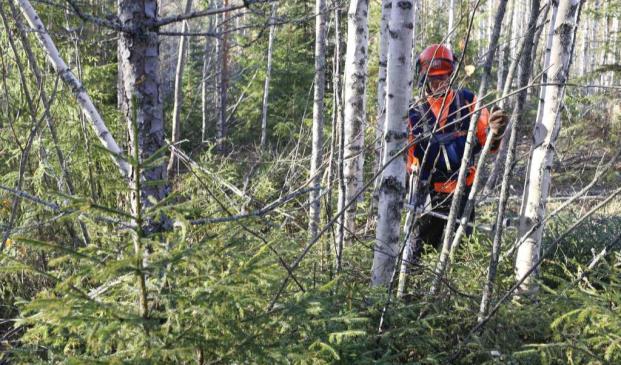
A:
(435, 60)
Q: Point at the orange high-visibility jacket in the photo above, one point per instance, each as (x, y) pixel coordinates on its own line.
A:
(446, 144)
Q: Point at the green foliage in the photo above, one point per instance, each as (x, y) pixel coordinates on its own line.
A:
(212, 289)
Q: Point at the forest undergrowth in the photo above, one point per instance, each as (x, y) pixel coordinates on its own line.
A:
(214, 289)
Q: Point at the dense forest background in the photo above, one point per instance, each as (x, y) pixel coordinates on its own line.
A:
(217, 201)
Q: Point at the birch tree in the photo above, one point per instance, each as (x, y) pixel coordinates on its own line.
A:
(544, 141)
(381, 92)
(74, 84)
(223, 52)
(178, 98)
(392, 187)
(451, 24)
(268, 74)
(356, 58)
(339, 125)
(517, 118)
(320, 80)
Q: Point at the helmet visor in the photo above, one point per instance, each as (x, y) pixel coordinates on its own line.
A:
(437, 67)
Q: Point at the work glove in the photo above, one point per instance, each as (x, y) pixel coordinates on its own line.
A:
(498, 121)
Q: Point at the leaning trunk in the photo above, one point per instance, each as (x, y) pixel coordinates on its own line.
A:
(65, 73)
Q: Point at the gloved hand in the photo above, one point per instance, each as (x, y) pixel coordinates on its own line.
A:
(498, 121)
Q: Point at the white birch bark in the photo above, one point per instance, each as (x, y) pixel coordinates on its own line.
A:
(515, 24)
(490, 18)
(356, 58)
(178, 93)
(544, 137)
(615, 47)
(487, 70)
(516, 119)
(317, 144)
(381, 93)
(546, 60)
(451, 24)
(340, 126)
(268, 75)
(78, 90)
(207, 57)
(392, 188)
(222, 82)
(584, 54)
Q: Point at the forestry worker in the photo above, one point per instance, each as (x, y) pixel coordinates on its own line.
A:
(438, 123)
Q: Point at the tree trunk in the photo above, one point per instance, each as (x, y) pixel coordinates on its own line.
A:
(340, 126)
(451, 24)
(487, 75)
(268, 74)
(66, 174)
(517, 119)
(178, 99)
(544, 137)
(546, 61)
(392, 187)
(317, 152)
(223, 82)
(143, 111)
(74, 85)
(204, 86)
(355, 114)
(381, 96)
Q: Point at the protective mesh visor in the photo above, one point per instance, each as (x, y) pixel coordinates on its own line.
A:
(437, 66)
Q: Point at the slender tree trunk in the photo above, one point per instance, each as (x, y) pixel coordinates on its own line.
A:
(355, 113)
(204, 86)
(178, 98)
(544, 137)
(34, 66)
(546, 61)
(615, 49)
(443, 260)
(392, 188)
(143, 104)
(223, 83)
(317, 152)
(451, 24)
(517, 117)
(268, 74)
(501, 155)
(381, 96)
(74, 85)
(584, 54)
(487, 75)
(490, 19)
(340, 126)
